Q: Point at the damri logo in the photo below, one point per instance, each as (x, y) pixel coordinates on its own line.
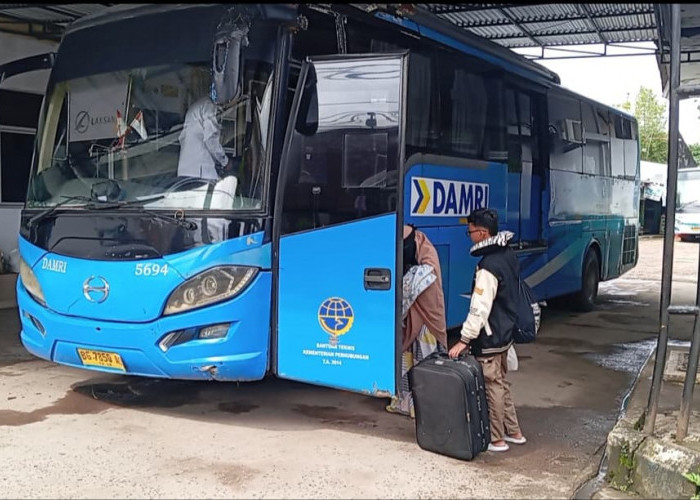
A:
(443, 198)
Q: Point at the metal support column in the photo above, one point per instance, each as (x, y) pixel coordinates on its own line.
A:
(671, 180)
(692, 368)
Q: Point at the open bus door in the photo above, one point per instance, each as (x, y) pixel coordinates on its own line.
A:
(336, 318)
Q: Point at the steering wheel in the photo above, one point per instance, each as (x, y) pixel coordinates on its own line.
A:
(184, 181)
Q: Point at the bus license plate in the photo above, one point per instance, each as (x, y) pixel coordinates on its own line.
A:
(101, 358)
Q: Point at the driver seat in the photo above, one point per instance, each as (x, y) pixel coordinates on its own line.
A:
(223, 194)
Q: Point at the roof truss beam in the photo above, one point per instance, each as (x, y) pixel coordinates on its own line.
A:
(521, 27)
(591, 20)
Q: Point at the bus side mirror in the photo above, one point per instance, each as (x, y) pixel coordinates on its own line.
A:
(307, 118)
(27, 64)
(230, 37)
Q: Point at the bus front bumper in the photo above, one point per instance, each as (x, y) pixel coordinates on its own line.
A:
(238, 353)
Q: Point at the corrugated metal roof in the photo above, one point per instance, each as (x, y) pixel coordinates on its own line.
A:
(510, 25)
(57, 13)
(549, 25)
(44, 21)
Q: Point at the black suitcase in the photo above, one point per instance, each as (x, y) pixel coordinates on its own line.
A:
(450, 403)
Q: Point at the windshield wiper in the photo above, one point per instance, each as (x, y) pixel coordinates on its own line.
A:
(189, 225)
(50, 210)
(93, 204)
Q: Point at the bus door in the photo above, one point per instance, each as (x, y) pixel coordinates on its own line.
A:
(524, 160)
(336, 222)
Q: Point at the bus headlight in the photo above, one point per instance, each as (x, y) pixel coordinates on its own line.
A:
(209, 287)
(30, 282)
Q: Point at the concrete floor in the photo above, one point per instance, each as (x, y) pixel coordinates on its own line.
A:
(69, 433)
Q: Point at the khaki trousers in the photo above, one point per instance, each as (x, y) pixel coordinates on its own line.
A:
(502, 417)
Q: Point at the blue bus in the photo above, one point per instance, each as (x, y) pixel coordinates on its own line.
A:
(340, 124)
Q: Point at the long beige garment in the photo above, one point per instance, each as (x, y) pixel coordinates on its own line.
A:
(429, 307)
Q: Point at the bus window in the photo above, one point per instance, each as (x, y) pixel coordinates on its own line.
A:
(631, 157)
(364, 159)
(617, 150)
(623, 128)
(348, 169)
(523, 161)
(513, 127)
(596, 151)
(463, 101)
(624, 148)
(495, 148)
(422, 127)
(565, 130)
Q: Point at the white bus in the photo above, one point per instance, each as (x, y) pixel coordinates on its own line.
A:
(687, 226)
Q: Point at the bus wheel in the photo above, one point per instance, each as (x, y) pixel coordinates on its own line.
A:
(584, 299)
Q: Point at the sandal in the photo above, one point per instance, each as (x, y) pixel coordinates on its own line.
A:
(520, 440)
(503, 447)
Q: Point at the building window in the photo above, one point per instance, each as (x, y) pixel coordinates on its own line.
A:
(19, 113)
(15, 162)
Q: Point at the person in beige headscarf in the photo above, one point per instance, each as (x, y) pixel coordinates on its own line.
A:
(423, 311)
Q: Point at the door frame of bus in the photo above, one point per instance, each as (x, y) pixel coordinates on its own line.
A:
(279, 201)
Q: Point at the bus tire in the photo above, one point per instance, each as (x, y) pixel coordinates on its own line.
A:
(584, 300)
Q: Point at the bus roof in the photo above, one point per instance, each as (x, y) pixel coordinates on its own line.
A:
(431, 26)
(417, 19)
(424, 22)
(125, 11)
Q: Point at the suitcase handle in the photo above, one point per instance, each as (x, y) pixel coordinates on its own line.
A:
(444, 355)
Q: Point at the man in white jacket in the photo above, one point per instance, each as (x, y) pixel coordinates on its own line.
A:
(200, 154)
(489, 325)
(200, 142)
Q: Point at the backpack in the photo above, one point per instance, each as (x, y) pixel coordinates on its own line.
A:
(527, 322)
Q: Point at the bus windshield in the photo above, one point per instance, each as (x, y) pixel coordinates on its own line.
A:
(122, 136)
(688, 192)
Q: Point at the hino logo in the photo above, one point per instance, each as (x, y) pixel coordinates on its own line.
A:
(96, 289)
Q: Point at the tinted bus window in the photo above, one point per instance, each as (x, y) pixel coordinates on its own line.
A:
(422, 126)
(464, 112)
(495, 148)
(472, 122)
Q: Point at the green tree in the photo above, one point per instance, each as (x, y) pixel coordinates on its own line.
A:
(695, 151)
(651, 116)
(626, 106)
